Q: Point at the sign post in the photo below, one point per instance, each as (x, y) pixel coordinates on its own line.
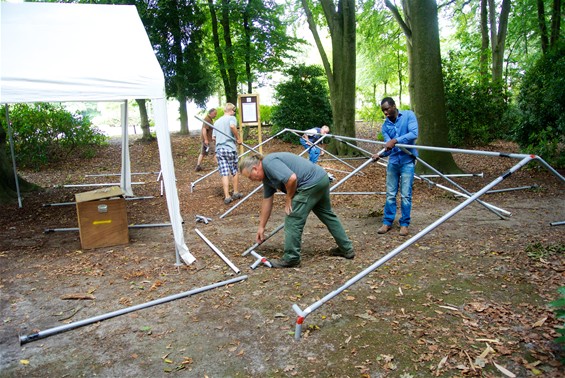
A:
(248, 105)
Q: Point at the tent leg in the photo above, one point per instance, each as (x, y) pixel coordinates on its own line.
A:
(13, 157)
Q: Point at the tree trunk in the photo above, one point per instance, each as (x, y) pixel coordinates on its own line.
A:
(483, 60)
(247, 54)
(542, 26)
(498, 37)
(341, 77)
(555, 24)
(427, 83)
(142, 104)
(183, 114)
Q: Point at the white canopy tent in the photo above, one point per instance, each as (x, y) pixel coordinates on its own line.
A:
(52, 52)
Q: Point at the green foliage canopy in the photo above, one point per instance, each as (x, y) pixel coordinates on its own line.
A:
(46, 133)
(474, 108)
(541, 104)
(303, 101)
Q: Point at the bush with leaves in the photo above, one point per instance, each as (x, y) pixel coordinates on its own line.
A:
(541, 102)
(303, 101)
(559, 305)
(46, 132)
(474, 109)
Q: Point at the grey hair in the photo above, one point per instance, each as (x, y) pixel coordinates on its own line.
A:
(249, 161)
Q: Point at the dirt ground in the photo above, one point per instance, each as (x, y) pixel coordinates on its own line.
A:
(468, 299)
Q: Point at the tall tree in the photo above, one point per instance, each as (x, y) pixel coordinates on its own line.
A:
(498, 37)
(549, 41)
(175, 30)
(382, 56)
(340, 19)
(420, 25)
(249, 38)
(224, 52)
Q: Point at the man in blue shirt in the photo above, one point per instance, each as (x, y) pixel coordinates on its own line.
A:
(307, 189)
(399, 127)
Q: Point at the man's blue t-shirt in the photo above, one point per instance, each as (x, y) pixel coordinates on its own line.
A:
(405, 130)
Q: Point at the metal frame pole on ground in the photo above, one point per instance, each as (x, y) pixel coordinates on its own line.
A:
(24, 339)
(49, 230)
(302, 314)
(218, 252)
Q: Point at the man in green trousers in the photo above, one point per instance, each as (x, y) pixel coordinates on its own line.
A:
(307, 188)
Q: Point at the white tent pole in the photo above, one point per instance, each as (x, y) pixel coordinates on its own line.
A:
(125, 180)
(13, 157)
(168, 175)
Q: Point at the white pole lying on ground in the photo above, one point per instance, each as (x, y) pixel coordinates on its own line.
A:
(67, 327)
(218, 252)
(302, 314)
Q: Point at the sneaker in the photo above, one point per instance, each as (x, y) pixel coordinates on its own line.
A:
(384, 229)
(280, 263)
(331, 177)
(228, 200)
(338, 252)
(237, 196)
(403, 231)
(198, 168)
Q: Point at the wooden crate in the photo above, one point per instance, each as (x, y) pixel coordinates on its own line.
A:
(102, 218)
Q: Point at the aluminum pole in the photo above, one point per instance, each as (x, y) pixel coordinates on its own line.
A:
(16, 180)
(302, 314)
(67, 327)
(48, 230)
(218, 252)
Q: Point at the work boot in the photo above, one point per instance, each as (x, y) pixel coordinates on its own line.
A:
(384, 229)
(198, 168)
(338, 252)
(280, 263)
(403, 231)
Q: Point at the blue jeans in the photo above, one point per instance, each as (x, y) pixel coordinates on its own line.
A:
(398, 176)
(313, 151)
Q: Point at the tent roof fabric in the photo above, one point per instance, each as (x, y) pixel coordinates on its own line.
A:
(53, 52)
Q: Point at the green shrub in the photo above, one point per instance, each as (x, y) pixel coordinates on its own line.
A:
(474, 110)
(303, 101)
(265, 111)
(541, 102)
(45, 132)
(559, 305)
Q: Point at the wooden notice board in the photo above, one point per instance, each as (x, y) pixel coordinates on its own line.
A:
(249, 115)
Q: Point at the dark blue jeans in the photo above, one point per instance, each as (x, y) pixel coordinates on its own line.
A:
(398, 176)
